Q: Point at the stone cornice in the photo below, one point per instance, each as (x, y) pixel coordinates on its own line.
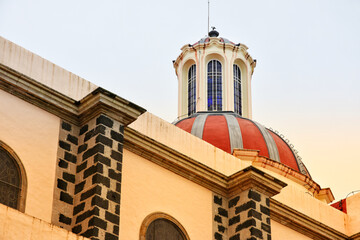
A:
(215, 42)
(277, 167)
(355, 236)
(76, 112)
(303, 224)
(199, 173)
(103, 101)
(37, 94)
(253, 178)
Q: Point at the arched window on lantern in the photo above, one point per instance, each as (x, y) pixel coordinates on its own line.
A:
(237, 90)
(12, 179)
(214, 85)
(192, 90)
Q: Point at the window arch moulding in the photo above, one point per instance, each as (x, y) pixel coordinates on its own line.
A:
(160, 215)
(183, 90)
(21, 198)
(245, 91)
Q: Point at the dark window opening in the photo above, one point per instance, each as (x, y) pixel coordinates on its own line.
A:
(214, 81)
(192, 90)
(163, 229)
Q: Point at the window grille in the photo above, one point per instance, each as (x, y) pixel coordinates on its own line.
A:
(9, 180)
(192, 90)
(214, 81)
(163, 229)
(237, 90)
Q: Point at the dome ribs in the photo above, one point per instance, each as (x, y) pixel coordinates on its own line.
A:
(252, 137)
(198, 126)
(236, 140)
(270, 143)
(286, 155)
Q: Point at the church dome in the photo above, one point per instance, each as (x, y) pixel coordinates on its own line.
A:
(229, 131)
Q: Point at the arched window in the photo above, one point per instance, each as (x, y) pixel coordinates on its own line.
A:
(237, 90)
(192, 90)
(214, 81)
(159, 226)
(12, 181)
(161, 229)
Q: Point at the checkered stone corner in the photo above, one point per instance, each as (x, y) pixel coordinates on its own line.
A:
(96, 212)
(249, 216)
(88, 178)
(220, 217)
(65, 175)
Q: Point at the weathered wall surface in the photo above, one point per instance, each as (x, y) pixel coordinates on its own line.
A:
(148, 188)
(33, 134)
(43, 71)
(353, 211)
(15, 225)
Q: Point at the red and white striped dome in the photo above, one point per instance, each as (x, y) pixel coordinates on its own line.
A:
(229, 131)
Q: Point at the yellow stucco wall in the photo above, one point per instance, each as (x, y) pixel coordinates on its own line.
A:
(353, 211)
(33, 134)
(281, 232)
(43, 71)
(15, 225)
(148, 188)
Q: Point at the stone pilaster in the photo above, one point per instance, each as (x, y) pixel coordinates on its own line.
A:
(88, 178)
(220, 217)
(65, 175)
(96, 210)
(244, 213)
(249, 216)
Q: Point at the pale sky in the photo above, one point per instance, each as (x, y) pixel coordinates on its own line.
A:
(305, 85)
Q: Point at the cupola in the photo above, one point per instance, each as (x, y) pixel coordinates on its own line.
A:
(214, 74)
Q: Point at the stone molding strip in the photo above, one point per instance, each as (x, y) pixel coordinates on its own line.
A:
(270, 143)
(100, 101)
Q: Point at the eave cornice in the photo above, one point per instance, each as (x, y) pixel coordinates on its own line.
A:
(282, 169)
(303, 224)
(76, 112)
